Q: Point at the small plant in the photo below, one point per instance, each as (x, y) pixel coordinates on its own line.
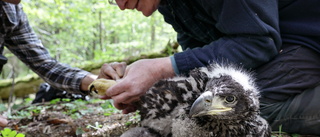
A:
(79, 131)
(55, 101)
(109, 108)
(133, 119)
(280, 133)
(280, 130)
(7, 132)
(2, 107)
(97, 126)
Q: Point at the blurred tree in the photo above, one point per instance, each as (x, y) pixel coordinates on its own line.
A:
(76, 31)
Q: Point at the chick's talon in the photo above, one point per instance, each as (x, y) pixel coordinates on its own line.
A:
(100, 86)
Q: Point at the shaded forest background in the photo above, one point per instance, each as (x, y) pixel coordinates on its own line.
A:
(77, 32)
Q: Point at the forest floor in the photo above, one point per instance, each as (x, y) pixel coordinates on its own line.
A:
(71, 119)
(95, 118)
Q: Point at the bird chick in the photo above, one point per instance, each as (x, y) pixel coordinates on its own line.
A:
(226, 108)
(218, 100)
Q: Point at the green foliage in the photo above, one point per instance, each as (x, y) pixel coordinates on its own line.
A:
(2, 107)
(54, 101)
(77, 31)
(21, 114)
(28, 112)
(36, 109)
(17, 105)
(110, 109)
(79, 131)
(76, 109)
(136, 117)
(7, 132)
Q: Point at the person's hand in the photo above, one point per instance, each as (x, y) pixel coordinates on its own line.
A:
(3, 121)
(138, 78)
(113, 70)
(147, 7)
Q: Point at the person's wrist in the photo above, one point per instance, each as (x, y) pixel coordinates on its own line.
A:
(166, 70)
(86, 81)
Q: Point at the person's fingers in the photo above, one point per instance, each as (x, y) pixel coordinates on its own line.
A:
(131, 4)
(122, 4)
(105, 97)
(129, 109)
(124, 99)
(118, 101)
(131, 99)
(118, 88)
(113, 70)
(120, 68)
(107, 72)
(3, 121)
(119, 106)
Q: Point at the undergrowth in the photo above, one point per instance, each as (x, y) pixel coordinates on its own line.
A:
(73, 108)
(7, 132)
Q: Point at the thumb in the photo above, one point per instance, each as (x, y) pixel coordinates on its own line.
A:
(116, 89)
(105, 97)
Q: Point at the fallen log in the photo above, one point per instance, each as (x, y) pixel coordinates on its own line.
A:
(22, 87)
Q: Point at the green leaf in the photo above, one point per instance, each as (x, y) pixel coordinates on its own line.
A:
(55, 101)
(107, 114)
(2, 107)
(20, 135)
(66, 100)
(5, 132)
(13, 133)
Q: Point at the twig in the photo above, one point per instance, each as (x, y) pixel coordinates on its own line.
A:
(11, 96)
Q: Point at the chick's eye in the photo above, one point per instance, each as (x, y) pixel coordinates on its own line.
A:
(230, 99)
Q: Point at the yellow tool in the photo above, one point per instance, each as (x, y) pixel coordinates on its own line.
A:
(100, 86)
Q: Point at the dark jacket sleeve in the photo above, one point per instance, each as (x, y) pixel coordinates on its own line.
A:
(249, 35)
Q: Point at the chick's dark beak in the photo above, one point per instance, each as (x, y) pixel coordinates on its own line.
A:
(201, 105)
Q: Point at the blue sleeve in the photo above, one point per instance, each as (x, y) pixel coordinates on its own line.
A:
(250, 36)
(174, 65)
